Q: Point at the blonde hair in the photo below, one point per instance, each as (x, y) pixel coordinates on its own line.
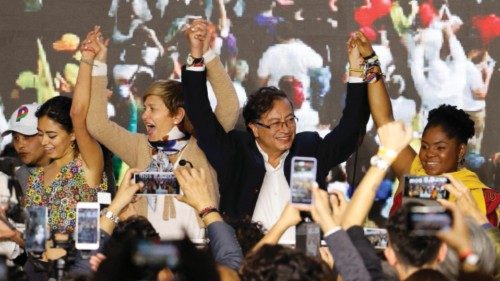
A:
(170, 92)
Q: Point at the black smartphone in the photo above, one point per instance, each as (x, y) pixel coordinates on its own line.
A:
(378, 237)
(157, 254)
(427, 220)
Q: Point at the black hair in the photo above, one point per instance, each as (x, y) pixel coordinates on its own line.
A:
(262, 101)
(284, 30)
(277, 263)
(120, 249)
(455, 122)
(427, 274)
(410, 250)
(58, 109)
(248, 233)
(193, 264)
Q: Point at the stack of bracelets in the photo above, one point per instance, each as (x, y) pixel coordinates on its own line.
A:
(371, 74)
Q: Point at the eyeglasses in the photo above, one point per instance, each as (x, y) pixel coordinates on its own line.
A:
(289, 122)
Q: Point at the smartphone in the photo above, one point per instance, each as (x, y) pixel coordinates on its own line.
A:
(426, 187)
(87, 225)
(427, 220)
(158, 183)
(36, 229)
(302, 179)
(157, 254)
(378, 237)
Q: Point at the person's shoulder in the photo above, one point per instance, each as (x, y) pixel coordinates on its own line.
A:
(307, 136)
(240, 135)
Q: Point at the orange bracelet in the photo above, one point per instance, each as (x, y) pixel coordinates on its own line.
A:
(205, 211)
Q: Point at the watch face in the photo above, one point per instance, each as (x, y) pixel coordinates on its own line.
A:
(190, 60)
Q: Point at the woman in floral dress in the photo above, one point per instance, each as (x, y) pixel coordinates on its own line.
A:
(75, 173)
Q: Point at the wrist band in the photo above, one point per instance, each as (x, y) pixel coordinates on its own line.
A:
(387, 152)
(360, 70)
(379, 162)
(468, 257)
(89, 62)
(370, 56)
(205, 211)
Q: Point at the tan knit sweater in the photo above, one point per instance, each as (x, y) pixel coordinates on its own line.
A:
(134, 149)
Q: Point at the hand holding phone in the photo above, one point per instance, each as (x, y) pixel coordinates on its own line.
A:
(302, 180)
(428, 220)
(426, 187)
(87, 225)
(378, 237)
(158, 183)
(36, 229)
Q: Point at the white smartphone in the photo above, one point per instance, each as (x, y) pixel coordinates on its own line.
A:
(302, 180)
(87, 225)
(36, 229)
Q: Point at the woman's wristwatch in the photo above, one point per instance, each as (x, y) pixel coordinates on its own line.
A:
(110, 215)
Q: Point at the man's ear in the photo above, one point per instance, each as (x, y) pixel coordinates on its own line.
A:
(390, 256)
(443, 250)
(254, 129)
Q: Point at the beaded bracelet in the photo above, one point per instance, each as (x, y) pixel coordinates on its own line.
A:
(205, 211)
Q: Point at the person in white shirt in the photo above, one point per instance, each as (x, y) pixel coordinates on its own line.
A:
(290, 56)
(478, 78)
(445, 80)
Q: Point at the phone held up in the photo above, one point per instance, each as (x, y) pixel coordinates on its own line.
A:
(158, 183)
(427, 220)
(418, 188)
(36, 229)
(302, 180)
(87, 226)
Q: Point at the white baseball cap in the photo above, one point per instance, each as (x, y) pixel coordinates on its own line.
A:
(23, 120)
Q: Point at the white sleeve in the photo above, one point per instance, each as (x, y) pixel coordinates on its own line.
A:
(10, 249)
(263, 70)
(474, 79)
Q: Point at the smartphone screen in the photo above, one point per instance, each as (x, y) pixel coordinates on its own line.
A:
(302, 179)
(157, 254)
(36, 229)
(426, 187)
(427, 220)
(378, 237)
(158, 183)
(87, 226)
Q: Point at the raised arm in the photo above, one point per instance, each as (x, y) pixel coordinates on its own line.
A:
(227, 109)
(380, 103)
(342, 141)
(198, 193)
(210, 132)
(126, 145)
(394, 137)
(89, 148)
(288, 218)
(348, 261)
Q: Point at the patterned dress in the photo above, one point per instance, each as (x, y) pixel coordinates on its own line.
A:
(60, 198)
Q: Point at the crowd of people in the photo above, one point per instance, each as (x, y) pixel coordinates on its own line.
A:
(227, 124)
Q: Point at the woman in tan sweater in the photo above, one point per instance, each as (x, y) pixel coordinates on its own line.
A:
(164, 118)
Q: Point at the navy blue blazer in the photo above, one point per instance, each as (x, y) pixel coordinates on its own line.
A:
(237, 160)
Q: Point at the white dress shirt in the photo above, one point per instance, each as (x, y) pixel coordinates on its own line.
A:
(273, 197)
